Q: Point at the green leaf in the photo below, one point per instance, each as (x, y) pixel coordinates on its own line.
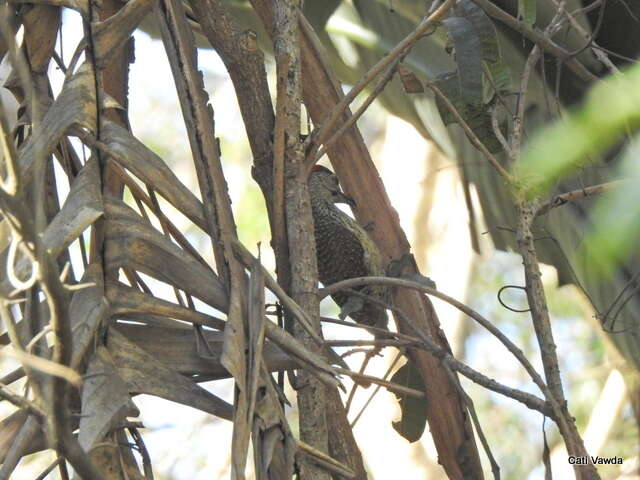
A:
(450, 88)
(482, 26)
(414, 410)
(468, 57)
(611, 111)
(614, 234)
(527, 11)
(497, 78)
(475, 116)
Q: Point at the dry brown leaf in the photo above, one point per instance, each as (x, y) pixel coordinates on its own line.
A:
(198, 117)
(87, 311)
(9, 428)
(111, 34)
(26, 437)
(134, 244)
(144, 373)
(177, 349)
(273, 443)
(82, 207)
(314, 363)
(75, 105)
(410, 82)
(41, 24)
(105, 400)
(125, 301)
(151, 169)
(256, 330)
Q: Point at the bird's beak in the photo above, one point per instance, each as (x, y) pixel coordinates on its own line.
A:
(341, 197)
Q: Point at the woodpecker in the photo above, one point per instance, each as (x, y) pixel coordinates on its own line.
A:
(345, 250)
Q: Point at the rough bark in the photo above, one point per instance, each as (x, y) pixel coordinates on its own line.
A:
(446, 411)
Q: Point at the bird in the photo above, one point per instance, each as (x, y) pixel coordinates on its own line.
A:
(345, 250)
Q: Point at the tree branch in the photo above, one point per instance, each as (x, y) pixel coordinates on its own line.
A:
(576, 195)
(400, 50)
(299, 221)
(538, 38)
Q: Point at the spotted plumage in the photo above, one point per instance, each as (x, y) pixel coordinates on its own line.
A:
(344, 248)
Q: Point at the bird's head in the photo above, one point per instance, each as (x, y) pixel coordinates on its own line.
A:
(324, 183)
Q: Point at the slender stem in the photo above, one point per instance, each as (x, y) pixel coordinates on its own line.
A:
(537, 37)
(590, 37)
(312, 394)
(473, 138)
(575, 195)
(518, 119)
(399, 50)
(289, 304)
(377, 389)
(380, 85)
(392, 387)
(427, 344)
(542, 326)
(354, 282)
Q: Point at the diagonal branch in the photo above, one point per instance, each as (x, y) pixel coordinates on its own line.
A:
(539, 38)
(400, 50)
(576, 195)
(448, 420)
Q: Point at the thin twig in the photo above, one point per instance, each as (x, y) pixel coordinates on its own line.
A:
(20, 64)
(380, 86)
(518, 119)
(542, 325)
(376, 343)
(538, 38)
(392, 387)
(473, 138)
(427, 344)
(368, 354)
(618, 303)
(287, 302)
(325, 461)
(511, 347)
(579, 194)
(21, 402)
(12, 376)
(144, 453)
(49, 469)
(499, 135)
(532, 60)
(590, 43)
(46, 366)
(495, 468)
(10, 155)
(370, 329)
(377, 389)
(321, 135)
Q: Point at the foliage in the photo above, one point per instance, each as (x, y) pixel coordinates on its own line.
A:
(608, 116)
(106, 296)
